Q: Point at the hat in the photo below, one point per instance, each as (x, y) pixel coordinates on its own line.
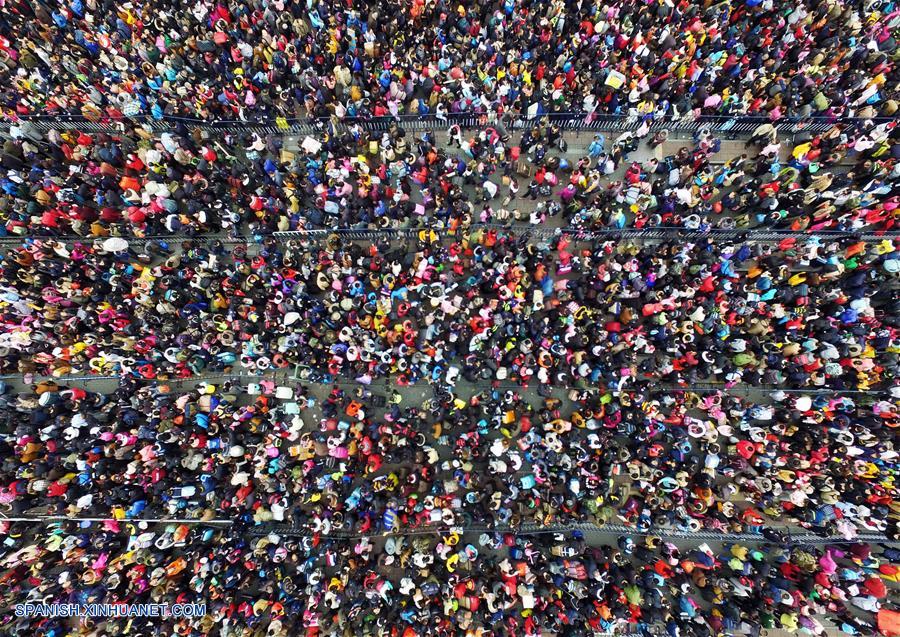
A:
(115, 244)
(258, 144)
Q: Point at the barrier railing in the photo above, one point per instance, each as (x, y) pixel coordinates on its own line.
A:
(716, 124)
(521, 230)
(320, 377)
(792, 534)
(602, 234)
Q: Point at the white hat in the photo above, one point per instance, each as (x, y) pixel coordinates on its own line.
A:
(115, 244)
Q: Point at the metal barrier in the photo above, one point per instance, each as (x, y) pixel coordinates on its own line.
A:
(323, 378)
(289, 530)
(803, 537)
(47, 519)
(716, 124)
(658, 233)
(601, 234)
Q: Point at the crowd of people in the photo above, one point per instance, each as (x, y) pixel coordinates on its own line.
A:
(642, 390)
(354, 472)
(488, 306)
(194, 182)
(136, 182)
(445, 585)
(682, 460)
(262, 59)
